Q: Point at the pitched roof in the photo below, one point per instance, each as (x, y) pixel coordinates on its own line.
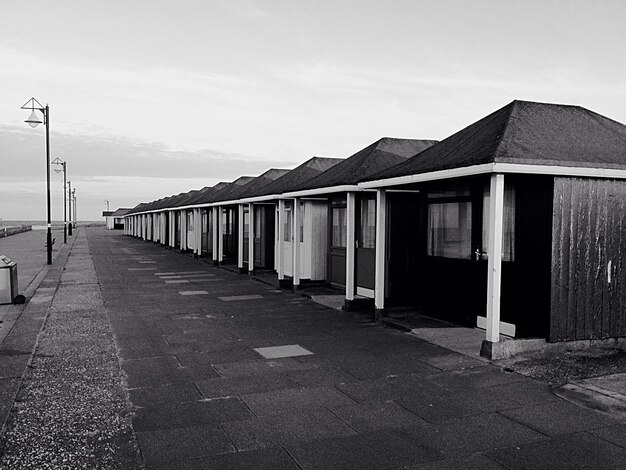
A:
(526, 133)
(251, 188)
(120, 212)
(225, 193)
(378, 156)
(294, 179)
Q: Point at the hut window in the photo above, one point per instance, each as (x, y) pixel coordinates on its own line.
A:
(339, 227)
(287, 222)
(450, 229)
(508, 225)
(367, 233)
(190, 221)
(301, 222)
(246, 223)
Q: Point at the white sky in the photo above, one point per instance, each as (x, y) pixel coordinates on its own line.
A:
(154, 97)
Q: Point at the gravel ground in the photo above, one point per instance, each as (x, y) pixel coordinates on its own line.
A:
(561, 368)
(72, 411)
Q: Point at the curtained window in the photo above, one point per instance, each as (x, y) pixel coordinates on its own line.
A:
(287, 222)
(367, 235)
(339, 227)
(450, 229)
(508, 224)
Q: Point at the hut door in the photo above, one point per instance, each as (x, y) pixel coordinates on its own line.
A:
(264, 235)
(365, 257)
(337, 257)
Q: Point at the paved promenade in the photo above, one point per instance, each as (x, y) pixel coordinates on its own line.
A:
(151, 358)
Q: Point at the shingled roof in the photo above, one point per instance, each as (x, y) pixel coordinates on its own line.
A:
(376, 157)
(294, 179)
(525, 133)
(257, 184)
(225, 193)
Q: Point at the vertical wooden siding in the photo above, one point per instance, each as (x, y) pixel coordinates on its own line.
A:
(588, 298)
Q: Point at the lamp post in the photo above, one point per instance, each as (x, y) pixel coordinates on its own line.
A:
(69, 201)
(75, 211)
(58, 161)
(33, 121)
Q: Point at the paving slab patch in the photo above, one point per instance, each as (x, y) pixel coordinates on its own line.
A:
(233, 298)
(289, 350)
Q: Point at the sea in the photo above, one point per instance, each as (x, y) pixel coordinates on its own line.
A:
(42, 224)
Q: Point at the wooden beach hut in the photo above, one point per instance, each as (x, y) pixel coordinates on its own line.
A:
(516, 223)
(350, 225)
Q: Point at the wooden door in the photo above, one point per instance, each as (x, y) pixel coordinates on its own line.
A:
(337, 241)
(365, 250)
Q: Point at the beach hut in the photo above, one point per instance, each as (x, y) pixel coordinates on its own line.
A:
(345, 239)
(516, 224)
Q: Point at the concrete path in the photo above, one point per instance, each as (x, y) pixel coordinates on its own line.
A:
(225, 372)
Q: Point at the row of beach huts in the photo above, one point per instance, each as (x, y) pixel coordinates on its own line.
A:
(515, 224)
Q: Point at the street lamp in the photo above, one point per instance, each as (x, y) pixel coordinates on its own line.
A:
(69, 185)
(75, 211)
(33, 121)
(58, 161)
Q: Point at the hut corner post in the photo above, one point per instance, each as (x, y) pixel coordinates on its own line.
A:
(350, 248)
(296, 243)
(215, 220)
(240, 238)
(381, 226)
(250, 238)
(494, 265)
(281, 245)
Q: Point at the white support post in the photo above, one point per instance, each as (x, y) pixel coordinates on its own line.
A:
(214, 243)
(170, 241)
(297, 214)
(220, 235)
(198, 231)
(350, 244)
(494, 261)
(240, 237)
(381, 231)
(144, 227)
(281, 243)
(250, 237)
(183, 231)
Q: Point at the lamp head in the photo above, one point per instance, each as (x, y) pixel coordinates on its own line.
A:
(33, 120)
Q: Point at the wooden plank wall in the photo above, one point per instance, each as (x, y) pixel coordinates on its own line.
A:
(588, 298)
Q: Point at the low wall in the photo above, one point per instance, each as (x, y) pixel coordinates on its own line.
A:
(7, 231)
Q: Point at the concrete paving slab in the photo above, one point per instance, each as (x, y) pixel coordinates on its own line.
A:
(558, 417)
(233, 386)
(466, 462)
(373, 450)
(568, 451)
(236, 298)
(321, 376)
(193, 292)
(199, 413)
(289, 350)
(154, 371)
(268, 431)
(297, 398)
(472, 434)
(172, 445)
(377, 416)
(260, 367)
(265, 459)
(169, 394)
(614, 434)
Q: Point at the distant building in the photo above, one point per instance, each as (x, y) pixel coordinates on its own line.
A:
(115, 220)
